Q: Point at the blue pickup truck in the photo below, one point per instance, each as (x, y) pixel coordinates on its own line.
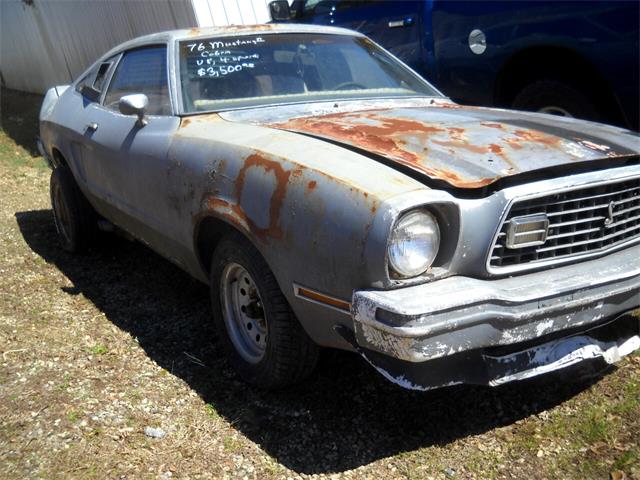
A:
(573, 58)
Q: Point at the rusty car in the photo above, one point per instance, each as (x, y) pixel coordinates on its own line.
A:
(331, 197)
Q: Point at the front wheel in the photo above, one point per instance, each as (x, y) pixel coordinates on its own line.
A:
(264, 341)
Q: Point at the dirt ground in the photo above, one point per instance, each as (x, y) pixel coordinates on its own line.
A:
(96, 349)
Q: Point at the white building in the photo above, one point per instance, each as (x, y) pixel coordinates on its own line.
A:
(49, 42)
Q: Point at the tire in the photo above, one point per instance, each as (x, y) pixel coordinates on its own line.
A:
(74, 217)
(555, 97)
(248, 305)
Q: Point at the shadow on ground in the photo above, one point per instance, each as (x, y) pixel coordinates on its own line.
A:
(345, 416)
(19, 118)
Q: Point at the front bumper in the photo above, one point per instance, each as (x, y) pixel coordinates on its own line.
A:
(461, 315)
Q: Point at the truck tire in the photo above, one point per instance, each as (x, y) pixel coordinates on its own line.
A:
(557, 98)
(263, 340)
(74, 217)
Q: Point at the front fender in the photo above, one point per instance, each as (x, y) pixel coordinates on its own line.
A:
(319, 214)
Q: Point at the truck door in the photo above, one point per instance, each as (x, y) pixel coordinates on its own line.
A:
(396, 25)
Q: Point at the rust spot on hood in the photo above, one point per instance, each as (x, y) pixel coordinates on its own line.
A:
(392, 137)
(376, 135)
(532, 136)
(499, 126)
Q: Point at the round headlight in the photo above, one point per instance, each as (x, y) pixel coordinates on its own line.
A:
(414, 243)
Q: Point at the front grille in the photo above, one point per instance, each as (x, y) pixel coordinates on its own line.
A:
(583, 221)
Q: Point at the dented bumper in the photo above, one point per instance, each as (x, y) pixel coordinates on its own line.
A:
(462, 317)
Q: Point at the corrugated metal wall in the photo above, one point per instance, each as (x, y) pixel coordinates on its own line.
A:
(49, 42)
(231, 12)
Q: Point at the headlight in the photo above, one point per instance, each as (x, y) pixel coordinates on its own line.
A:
(414, 243)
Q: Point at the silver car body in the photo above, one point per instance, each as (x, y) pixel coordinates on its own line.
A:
(318, 187)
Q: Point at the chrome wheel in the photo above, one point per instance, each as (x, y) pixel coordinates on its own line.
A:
(61, 215)
(243, 313)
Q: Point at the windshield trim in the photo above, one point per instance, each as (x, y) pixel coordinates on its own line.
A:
(307, 102)
(177, 77)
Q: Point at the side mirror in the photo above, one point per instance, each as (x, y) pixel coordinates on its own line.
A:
(280, 10)
(135, 104)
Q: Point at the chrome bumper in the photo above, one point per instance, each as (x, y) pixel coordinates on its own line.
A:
(460, 314)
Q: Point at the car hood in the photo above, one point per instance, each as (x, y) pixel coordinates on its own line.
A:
(467, 147)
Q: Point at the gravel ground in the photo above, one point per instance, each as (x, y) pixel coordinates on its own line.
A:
(110, 368)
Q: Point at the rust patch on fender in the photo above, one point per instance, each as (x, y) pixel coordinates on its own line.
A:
(282, 181)
(312, 185)
(231, 212)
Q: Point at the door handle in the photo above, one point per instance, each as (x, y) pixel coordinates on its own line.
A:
(405, 22)
(92, 127)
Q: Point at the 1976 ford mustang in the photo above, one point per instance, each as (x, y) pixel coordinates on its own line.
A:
(333, 198)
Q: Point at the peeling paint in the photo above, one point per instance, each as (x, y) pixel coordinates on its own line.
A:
(566, 352)
(432, 142)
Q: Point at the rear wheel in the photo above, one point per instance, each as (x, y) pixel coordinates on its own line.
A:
(74, 217)
(556, 98)
(264, 341)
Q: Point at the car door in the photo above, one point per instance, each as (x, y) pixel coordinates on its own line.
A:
(396, 25)
(129, 160)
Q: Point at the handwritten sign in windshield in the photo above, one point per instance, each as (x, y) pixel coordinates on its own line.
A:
(213, 59)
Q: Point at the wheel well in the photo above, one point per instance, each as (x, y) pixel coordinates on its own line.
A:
(58, 158)
(559, 64)
(209, 232)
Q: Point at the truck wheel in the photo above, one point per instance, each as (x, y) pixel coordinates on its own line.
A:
(73, 215)
(264, 341)
(556, 98)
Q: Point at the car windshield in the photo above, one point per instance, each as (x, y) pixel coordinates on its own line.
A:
(233, 72)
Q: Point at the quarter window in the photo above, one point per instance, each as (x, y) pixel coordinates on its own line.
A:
(93, 83)
(143, 70)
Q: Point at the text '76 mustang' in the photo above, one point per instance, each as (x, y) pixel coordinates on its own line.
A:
(333, 198)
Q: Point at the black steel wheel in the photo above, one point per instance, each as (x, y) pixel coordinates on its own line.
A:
(263, 339)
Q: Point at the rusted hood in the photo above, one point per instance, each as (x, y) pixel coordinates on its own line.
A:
(467, 147)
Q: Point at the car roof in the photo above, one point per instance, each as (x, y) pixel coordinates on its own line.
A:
(230, 30)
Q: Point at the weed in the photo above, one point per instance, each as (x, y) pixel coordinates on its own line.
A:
(231, 444)
(211, 411)
(99, 350)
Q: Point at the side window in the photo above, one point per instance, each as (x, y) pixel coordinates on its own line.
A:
(346, 4)
(101, 76)
(92, 84)
(324, 7)
(143, 70)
